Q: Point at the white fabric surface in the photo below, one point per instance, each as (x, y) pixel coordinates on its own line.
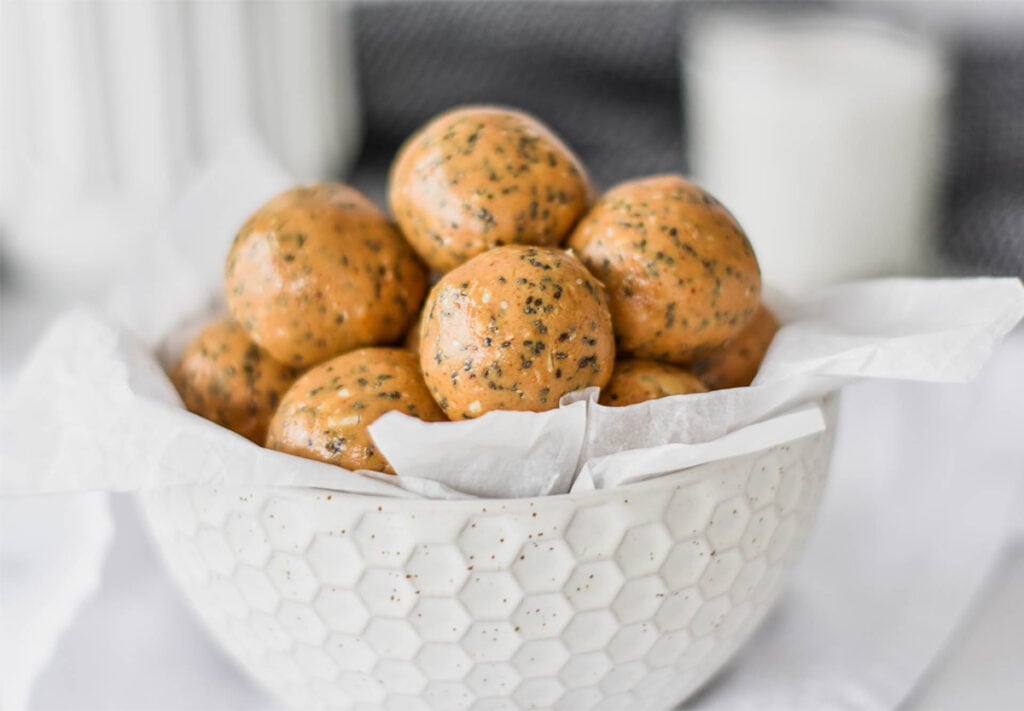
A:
(51, 560)
(924, 483)
(916, 511)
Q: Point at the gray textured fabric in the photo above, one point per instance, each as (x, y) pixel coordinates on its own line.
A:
(983, 230)
(606, 77)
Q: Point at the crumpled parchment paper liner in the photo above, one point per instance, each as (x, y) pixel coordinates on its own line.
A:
(506, 454)
(940, 330)
(93, 408)
(632, 465)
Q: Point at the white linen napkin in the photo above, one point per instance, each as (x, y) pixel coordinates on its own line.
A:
(923, 495)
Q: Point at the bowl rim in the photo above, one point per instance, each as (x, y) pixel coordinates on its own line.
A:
(673, 480)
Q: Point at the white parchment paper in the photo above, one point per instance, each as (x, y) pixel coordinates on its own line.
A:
(94, 410)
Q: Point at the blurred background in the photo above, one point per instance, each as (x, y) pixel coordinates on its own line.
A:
(889, 131)
(851, 140)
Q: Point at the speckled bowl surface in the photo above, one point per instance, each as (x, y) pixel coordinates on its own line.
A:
(616, 599)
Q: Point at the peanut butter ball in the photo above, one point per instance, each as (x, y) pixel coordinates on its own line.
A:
(638, 380)
(318, 271)
(411, 342)
(515, 328)
(681, 275)
(326, 413)
(736, 363)
(225, 377)
(480, 177)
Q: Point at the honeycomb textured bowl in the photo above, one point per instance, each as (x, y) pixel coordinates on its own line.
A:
(617, 599)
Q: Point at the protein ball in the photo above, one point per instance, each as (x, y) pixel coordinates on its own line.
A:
(735, 364)
(320, 270)
(326, 413)
(681, 275)
(480, 177)
(515, 328)
(225, 377)
(411, 342)
(639, 380)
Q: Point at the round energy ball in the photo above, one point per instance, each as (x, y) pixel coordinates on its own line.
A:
(736, 363)
(515, 328)
(638, 380)
(326, 413)
(318, 271)
(411, 342)
(681, 275)
(480, 177)
(225, 377)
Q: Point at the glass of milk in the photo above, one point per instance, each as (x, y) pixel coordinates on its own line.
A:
(824, 135)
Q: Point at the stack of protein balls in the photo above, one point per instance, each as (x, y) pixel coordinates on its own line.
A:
(651, 290)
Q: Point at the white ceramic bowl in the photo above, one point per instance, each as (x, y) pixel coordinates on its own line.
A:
(616, 599)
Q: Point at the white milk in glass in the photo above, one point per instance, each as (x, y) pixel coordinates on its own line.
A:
(824, 136)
